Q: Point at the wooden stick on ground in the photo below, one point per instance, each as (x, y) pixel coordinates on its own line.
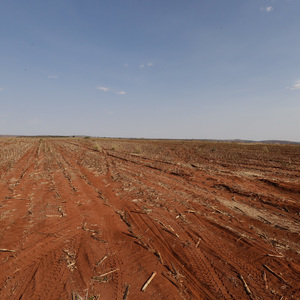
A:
(272, 255)
(265, 279)
(126, 293)
(246, 287)
(157, 253)
(160, 257)
(97, 277)
(198, 243)
(279, 256)
(167, 230)
(274, 273)
(7, 250)
(102, 260)
(148, 281)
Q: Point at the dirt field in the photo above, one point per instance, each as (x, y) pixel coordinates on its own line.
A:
(96, 218)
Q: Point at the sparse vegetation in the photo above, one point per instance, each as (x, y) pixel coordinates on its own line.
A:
(73, 210)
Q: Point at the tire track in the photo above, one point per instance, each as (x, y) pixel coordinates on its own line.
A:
(70, 205)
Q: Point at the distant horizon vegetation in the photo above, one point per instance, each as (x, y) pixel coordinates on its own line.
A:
(160, 139)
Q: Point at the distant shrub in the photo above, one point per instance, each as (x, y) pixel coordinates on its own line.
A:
(265, 149)
(137, 150)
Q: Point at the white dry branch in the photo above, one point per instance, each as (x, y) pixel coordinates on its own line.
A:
(148, 281)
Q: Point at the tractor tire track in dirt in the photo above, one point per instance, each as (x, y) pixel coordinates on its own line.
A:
(95, 218)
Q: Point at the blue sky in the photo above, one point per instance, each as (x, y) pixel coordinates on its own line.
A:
(157, 69)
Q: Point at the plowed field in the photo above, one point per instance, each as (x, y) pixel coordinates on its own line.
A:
(96, 218)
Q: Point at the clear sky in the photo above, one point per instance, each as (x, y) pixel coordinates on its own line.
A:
(151, 68)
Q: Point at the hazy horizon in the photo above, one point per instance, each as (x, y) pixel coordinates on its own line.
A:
(156, 69)
(150, 139)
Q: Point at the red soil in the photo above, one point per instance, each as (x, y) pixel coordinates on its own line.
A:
(95, 218)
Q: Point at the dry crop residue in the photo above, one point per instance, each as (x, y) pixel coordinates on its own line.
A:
(129, 219)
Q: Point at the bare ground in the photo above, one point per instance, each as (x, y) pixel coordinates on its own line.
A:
(95, 218)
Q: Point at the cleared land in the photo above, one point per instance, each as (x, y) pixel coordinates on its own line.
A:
(139, 219)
